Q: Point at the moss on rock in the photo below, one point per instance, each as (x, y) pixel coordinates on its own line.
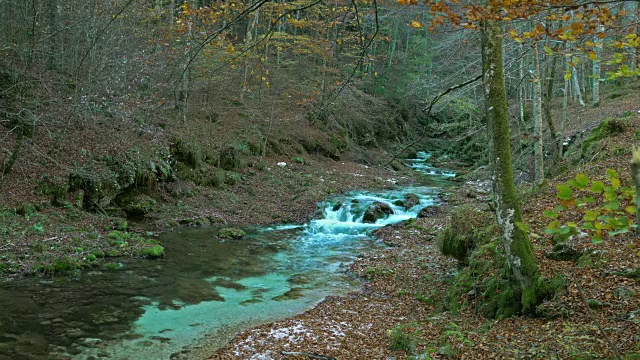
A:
(231, 233)
(152, 252)
(459, 238)
(135, 204)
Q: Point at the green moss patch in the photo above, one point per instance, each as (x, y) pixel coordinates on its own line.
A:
(231, 233)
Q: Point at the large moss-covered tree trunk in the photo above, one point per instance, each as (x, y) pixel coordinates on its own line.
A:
(519, 251)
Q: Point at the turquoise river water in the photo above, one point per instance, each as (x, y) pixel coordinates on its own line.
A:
(202, 287)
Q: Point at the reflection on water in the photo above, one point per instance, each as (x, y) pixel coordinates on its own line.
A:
(151, 309)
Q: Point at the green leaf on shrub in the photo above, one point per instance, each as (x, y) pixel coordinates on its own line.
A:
(553, 225)
(614, 223)
(522, 226)
(550, 214)
(564, 230)
(596, 240)
(589, 200)
(618, 232)
(588, 226)
(631, 209)
(581, 181)
(613, 205)
(550, 231)
(590, 215)
(564, 192)
(571, 183)
(612, 174)
(558, 208)
(623, 221)
(627, 193)
(610, 193)
(615, 183)
(597, 187)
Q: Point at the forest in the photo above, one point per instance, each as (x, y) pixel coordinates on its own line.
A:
(317, 179)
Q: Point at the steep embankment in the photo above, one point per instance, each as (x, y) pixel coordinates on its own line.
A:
(81, 176)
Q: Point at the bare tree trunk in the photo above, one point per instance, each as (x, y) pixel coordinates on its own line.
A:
(537, 118)
(55, 42)
(556, 147)
(247, 42)
(521, 93)
(596, 66)
(394, 42)
(518, 248)
(576, 85)
(564, 104)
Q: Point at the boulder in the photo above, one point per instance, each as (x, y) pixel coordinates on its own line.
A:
(376, 211)
(411, 200)
(428, 211)
(136, 204)
(563, 251)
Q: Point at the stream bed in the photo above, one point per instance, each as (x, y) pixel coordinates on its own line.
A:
(203, 286)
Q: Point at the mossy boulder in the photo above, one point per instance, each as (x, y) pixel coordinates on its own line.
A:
(135, 204)
(460, 237)
(152, 251)
(205, 175)
(411, 200)
(376, 211)
(607, 128)
(66, 263)
(455, 244)
(231, 233)
(53, 186)
(104, 178)
(99, 183)
(235, 157)
(187, 152)
(563, 251)
(428, 211)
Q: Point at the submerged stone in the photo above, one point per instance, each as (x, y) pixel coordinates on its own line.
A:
(299, 279)
(229, 284)
(294, 293)
(250, 301)
(231, 233)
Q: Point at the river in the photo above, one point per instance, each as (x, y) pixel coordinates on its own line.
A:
(204, 286)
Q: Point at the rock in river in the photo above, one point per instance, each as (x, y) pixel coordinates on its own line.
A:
(376, 211)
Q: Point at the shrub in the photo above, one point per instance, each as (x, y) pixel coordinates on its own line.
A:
(53, 186)
(234, 157)
(400, 340)
(594, 208)
(232, 178)
(186, 152)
